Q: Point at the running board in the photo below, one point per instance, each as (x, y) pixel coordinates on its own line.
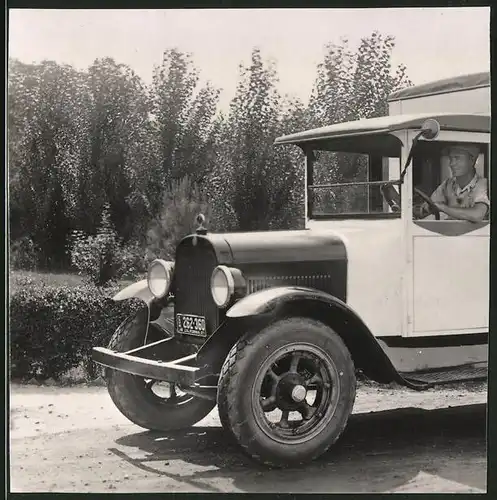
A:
(447, 375)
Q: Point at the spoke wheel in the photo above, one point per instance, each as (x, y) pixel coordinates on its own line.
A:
(295, 393)
(164, 392)
(286, 393)
(151, 404)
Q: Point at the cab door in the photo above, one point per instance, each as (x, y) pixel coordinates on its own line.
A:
(448, 261)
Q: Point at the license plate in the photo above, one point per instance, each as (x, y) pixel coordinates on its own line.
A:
(191, 324)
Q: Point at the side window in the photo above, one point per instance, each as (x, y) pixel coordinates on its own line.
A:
(455, 175)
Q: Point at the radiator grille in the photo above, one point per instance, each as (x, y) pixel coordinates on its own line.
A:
(193, 270)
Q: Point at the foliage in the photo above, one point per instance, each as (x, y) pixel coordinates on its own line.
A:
(253, 182)
(182, 202)
(79, 141)
(44, 144)
(23, 254)
(97, 256)
(115, 146)
(103, 258)
(182, 125)
(53, 328)
(355, 84)
(134, 262)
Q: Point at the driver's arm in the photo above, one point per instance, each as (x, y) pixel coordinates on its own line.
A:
(472, 214)
(476, 213)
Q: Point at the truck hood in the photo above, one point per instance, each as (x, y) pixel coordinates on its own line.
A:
(284, 247)
(276, 258)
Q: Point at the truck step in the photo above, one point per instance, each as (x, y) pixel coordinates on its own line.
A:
(448, 375)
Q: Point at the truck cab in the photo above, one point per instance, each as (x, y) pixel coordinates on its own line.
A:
(418, 261)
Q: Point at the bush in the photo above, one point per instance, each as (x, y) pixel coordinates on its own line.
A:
(134, 262)
(23, 254)
(182, 202)
(103, 259)
(96, 257)
(54, 328)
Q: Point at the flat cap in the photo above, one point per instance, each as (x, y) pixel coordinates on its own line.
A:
(472, 150)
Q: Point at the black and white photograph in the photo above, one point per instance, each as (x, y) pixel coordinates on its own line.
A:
(248, 250)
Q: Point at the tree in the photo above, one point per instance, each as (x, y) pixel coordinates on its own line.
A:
(253, 183)
(46, 127)
(117, 147)
(183, 133)
(294, 117)
(373, 79)
(77, 141)
(331, 98)
(183, 118)
(352, 85)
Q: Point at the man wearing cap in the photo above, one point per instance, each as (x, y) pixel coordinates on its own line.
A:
(464, 196)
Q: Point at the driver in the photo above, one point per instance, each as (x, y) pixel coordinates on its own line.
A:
(463, 196)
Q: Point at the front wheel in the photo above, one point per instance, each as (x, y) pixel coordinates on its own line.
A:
(286, 393)
(148, 403)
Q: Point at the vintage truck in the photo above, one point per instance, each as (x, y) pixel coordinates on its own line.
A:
(275, 326)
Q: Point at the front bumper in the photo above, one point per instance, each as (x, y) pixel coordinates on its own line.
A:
(176, 371)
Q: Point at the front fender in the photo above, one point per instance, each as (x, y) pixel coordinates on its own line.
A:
(267, 300)
(254, 313)
(274, 303)
(138, 290)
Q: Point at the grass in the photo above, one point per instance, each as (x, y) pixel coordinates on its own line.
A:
(57, 279)
(53, 279)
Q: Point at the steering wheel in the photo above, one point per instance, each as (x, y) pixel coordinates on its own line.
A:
(433, 208)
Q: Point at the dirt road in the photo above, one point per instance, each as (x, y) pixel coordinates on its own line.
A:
(74, 440)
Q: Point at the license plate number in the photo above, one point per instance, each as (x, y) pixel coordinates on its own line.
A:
(190, 324)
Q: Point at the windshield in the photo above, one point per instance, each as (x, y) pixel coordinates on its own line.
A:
(352, 185)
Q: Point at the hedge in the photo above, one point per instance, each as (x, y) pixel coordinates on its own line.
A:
(53, 328)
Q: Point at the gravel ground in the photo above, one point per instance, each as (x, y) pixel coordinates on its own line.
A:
(73, 439)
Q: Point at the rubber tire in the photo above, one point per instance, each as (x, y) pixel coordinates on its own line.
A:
(128, 394)
(238, 375)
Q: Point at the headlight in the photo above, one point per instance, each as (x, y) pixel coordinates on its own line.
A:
(159, 277)
(222, 285)
(226, 283)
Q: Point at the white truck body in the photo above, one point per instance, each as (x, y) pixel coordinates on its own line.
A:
(461, 94)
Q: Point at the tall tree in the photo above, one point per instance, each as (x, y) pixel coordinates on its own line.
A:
(253, 182)
(184, 133)
(356, 84)
(183, 119)
(46, 130)
(117, 156)
(374, 78)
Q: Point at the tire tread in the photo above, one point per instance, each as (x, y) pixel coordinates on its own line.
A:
(229, 385)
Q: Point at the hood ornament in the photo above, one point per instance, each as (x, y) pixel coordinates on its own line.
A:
(200, 219)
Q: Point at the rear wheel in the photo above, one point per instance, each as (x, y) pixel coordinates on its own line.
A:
(286, 393)
(149, 403)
